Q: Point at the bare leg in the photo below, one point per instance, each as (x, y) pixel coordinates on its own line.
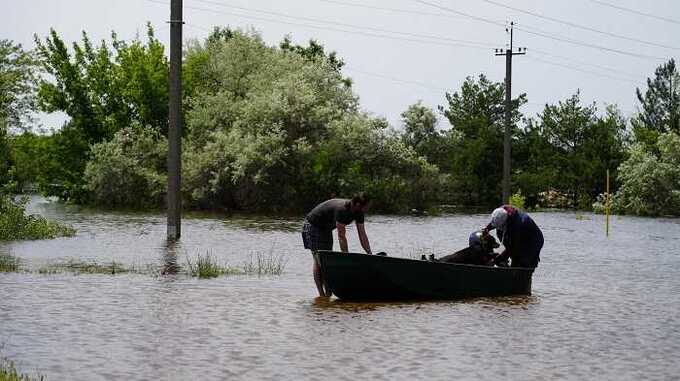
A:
(318, 279)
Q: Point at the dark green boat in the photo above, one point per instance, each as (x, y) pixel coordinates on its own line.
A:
(354, 276)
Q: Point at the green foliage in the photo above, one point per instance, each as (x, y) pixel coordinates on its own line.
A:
(6, 157)
(31, 153)
(264, 264)
(18, 70)
(77, 266)
(650, 182)
(518, 200)
(8, 372)
(17, 99)
(102, 90)
(9, 263)
(475, 153)
(129, 170)
(206, 266)
(660, 105)
(314, 52)
(420, 131)
(568, 151)
(16, 225)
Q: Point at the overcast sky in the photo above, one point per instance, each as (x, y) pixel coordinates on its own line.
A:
(401, 51)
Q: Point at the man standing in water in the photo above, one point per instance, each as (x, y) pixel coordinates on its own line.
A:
(336, 213)
(520, 235)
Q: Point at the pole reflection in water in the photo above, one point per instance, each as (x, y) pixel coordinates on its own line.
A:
(169, 265)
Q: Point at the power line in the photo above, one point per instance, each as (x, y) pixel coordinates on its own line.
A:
(368, 34)
(601, 67)
(583, 27)
(395, 79)
(478, 18)
(634, 11)
(544, 34)
(402, 39)
(396, 10)
(584, 71)
(568, 40)
(416, 35)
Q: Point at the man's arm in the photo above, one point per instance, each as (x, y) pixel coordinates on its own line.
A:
(363, 238)
(341, 236)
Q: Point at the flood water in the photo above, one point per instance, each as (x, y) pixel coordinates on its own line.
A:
(602, 308)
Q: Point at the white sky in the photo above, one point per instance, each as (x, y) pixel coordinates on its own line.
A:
(391, 73)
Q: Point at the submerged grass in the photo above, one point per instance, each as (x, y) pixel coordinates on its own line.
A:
(206, 266)
(265, 264)
(8, 372)
(9, 263)
(77, 266)
(201, 266)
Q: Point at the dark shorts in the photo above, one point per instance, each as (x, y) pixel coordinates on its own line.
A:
(316, 239)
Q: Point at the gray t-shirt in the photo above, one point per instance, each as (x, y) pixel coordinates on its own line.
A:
(328, 213)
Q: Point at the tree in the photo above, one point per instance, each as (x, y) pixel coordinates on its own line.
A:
(102, 90)
(129, 170)
(650, 184)
(476, 115)
(420, 130)
(569, 149)
(660, 104)
(18, 70)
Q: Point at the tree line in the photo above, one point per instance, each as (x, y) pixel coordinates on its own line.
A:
(279, 128)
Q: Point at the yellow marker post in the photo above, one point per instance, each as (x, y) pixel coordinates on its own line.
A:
(606, 206)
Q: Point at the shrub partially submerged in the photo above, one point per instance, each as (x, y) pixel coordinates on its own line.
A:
(8, 372)
(15, 224)
(9, 263)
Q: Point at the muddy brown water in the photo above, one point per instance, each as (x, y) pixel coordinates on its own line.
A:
(601, 308)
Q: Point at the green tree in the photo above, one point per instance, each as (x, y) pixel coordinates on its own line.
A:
(475, 155)
(18, 70)
(102, 90)
(272, 128)
(650, 182)
(129, 170)
(420, 131)
(17, 99)
(660, 103)
(569, 150)
(312, 52)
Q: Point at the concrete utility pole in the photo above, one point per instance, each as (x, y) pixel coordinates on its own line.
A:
(508, 53)
(175, 123)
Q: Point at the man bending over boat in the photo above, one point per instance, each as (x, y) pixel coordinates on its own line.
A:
(520, 235)
(336, 213)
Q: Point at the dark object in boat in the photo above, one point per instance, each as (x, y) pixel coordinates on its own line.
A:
(354, 276)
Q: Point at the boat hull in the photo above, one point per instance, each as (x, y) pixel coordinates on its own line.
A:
(354, 276)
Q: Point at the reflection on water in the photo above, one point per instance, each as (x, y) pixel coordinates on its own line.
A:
(601, 308)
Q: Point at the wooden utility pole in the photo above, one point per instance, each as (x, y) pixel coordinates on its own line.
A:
(175, 123)
(508, 53)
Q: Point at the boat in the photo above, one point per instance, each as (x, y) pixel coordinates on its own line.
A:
(364, 277)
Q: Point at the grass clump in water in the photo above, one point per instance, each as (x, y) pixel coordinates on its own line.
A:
(265, 264)
(82, 267)
(9, 263)
(206, 266)
(9, 373)
(15, 224)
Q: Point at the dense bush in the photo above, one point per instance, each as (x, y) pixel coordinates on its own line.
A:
(650, 183)
(15, 224)
(129, 170)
